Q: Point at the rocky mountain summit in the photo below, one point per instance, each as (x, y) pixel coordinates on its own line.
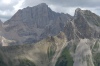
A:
(32, 24)
(38, 36)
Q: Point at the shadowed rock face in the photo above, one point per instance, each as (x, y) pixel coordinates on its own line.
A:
(84, 22)
(50, 39)
(35, 23)
(69, 31)
(82, 25)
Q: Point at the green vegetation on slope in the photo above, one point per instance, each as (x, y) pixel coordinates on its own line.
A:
(52, 48)
(65, 59)
(97, 59)
(26, 62)
(96, 46)
(23, 62)
(2, 63)
(96, 54)
(51, 52)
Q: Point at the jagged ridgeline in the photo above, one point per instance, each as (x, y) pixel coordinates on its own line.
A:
(38, 36)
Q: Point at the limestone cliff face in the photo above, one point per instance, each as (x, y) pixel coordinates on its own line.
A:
(87, 24)
(82, 25)
(32, 24)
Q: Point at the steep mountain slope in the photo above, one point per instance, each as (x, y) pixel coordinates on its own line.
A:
(85, 22)
(53, 51)
(39, 54)
(32, 24)
(50, 39)
(84, 40)
(82, 27)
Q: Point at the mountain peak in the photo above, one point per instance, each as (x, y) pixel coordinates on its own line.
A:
(43, 4)
(77, 10)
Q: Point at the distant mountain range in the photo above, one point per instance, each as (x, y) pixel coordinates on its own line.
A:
(38, 36)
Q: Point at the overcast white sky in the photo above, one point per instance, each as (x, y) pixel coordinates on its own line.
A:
(9, 7)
